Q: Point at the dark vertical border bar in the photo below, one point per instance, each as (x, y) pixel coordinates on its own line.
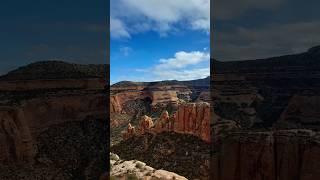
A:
(214, 160)
(107, 86)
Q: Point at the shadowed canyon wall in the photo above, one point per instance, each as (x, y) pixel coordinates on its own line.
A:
(53, 128)
(265, 118)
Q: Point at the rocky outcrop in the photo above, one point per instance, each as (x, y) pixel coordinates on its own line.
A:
(157, 94)
(283, 155)
(129, 132)
(191, 118)
(146, 123)
(124, 169)
(131, 100)
(115, 106)
(23, 124)
(258, 93)
(55, 127)
(302, 111)
(16, 142)
(164, 97)
(262, 110)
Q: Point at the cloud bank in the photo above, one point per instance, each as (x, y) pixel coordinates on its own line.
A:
(182, 66)
(162, 16)
(269, 40)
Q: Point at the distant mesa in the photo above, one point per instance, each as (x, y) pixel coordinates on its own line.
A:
(56, 70)
(197, 82)
(306, 60)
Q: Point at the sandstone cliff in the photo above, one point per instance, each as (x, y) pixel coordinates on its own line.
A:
(258, 93)
(53, 128)
(190, 118)
(131, 100)
(266, 118)
(283, 155)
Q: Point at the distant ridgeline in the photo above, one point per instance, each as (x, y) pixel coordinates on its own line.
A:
(198, 82)
(309, 60)
(57, 70)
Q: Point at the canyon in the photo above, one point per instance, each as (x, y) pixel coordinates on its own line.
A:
(53, 122)
(165, 121)
(131, 100)
(265, 117)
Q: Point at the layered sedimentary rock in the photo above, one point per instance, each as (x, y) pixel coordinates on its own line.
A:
(146, 123)
(191, 118)
(302, 111)
(16, 142)
(46, 123)
(283, 155)
(256, 103)
(164, 97)
(131, 100)
(156, 93)
(115, 106)
(266, 86)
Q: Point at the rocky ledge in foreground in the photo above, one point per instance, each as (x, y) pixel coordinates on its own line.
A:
(136, 169)
(183, 154)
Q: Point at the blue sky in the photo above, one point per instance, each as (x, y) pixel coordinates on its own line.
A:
(38, 30)
(159, 40)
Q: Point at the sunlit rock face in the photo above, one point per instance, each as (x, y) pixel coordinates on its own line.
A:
(191, 118)
(140, 170)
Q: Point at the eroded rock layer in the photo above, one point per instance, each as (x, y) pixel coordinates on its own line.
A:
(283, 155)
(265, 121)
(53, 128)
(190, 118)
(131, 100)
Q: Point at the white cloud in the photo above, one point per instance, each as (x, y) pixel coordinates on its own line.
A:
(182, 59)
(118, 29)
(183, 66)
(162, 16)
